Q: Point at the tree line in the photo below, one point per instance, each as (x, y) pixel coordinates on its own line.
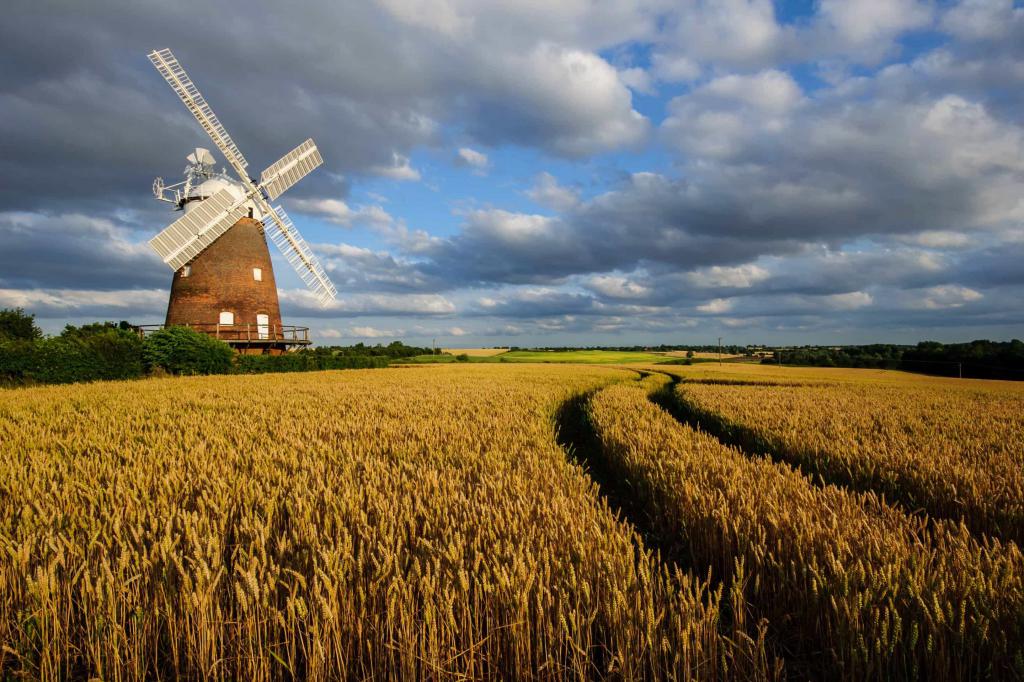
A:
(980, 359)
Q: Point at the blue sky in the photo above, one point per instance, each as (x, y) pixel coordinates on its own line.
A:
(518, 173)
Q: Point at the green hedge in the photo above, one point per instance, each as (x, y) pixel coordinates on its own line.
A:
(116, 351)
(85, 353)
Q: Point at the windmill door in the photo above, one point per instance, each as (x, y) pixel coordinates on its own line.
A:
(263, 326)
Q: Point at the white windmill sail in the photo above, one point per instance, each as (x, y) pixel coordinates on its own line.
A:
(168, 66)
(283, 233)
(291, 168)
(189, 235)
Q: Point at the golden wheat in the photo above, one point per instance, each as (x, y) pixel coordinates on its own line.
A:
(953, 450)
(393, 524)
(853, 587)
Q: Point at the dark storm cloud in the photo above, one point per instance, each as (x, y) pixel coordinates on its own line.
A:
(83, 305)
(995, 266)
(363, 270)
(75, 252)
(81, 101)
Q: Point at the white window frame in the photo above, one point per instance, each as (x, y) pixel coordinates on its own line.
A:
(186, 270)
(257, 274)
(227, 318)
(263, 325)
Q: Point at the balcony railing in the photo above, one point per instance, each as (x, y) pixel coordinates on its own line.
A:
(244, 333)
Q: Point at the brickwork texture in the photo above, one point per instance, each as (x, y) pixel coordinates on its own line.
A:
(221, 279)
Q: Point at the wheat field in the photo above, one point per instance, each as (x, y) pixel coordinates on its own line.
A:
(414, 523)
(438, 522)
(853, 587)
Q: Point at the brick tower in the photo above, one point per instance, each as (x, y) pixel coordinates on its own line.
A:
(228, 291)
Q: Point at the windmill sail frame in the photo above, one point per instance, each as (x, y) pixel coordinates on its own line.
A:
(188, 236)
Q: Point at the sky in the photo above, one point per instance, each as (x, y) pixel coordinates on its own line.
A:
(535, 173)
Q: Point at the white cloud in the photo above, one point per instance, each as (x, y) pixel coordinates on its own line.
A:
(442, 16)
(304, 302)
(851, 300)
(511, 228)
(601, 114)
(456, 331)
(861, 23)
(638, 80)
(768, 92)
(716, 306)
(939, 239)
(478, 161)
(340, 213)
(739, 276)
(399, 169)
(745, 35)
(723, 117)
(948, 296)
(737, 32)
(616, 286)
(547, 192)
(374, 333)
(675, 68)
(979, 20)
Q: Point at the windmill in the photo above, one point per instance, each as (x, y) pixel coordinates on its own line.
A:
(223, 280)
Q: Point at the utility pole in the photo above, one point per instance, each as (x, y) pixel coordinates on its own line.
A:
(719, 350)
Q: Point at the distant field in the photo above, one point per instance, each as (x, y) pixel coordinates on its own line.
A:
(476, 352)
(701, 355)
(583, 356)
(587, 357)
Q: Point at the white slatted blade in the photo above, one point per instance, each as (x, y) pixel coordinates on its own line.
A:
(291, 168)
(283, 233)
(189, 235)
(175, 75)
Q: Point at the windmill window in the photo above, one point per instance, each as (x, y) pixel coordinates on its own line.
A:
(186, 271)
(257, 274)
(227, 317)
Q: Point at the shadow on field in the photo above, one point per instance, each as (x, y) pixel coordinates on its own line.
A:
(577, 436)
(575, 433)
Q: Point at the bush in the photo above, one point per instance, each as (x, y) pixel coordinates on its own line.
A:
(304, 361)
(462, 357)
(180, 350)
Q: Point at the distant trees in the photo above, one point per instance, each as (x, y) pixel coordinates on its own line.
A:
(395, 349)
(981, 359)
(17, 325)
